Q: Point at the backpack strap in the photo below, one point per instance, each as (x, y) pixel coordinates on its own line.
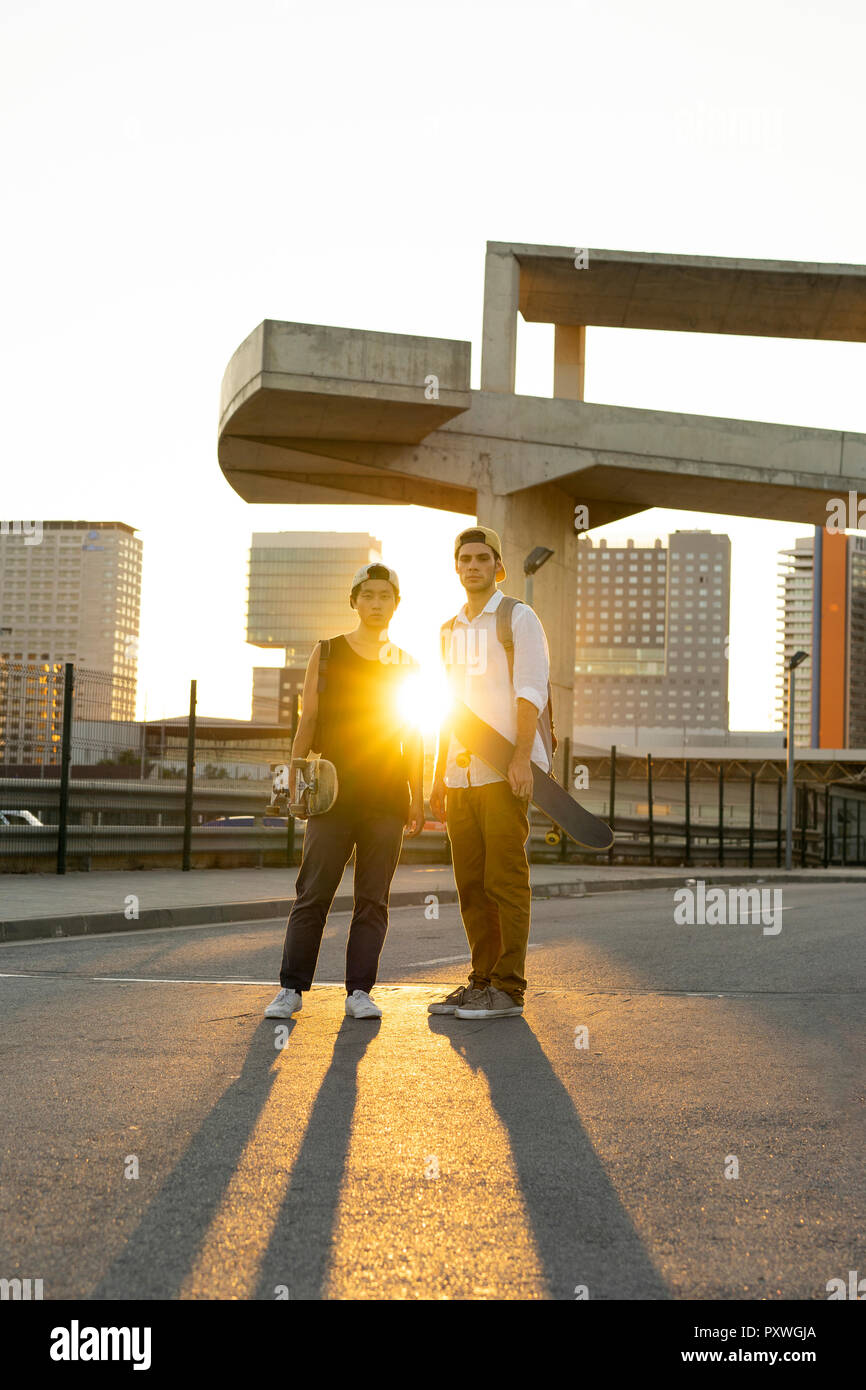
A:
(324, 658)
(504, 634)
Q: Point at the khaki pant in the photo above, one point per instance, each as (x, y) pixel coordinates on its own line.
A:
(488, 829)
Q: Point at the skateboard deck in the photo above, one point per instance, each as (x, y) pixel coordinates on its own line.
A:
(494, 749)
(304, 787)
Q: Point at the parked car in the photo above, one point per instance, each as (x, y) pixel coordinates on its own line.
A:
(20, 818)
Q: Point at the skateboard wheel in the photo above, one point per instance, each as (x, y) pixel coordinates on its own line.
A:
(464, 759)
(553, 837)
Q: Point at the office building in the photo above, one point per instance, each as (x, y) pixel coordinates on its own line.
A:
(652, 633)
(822, 611)
(69, 591)
(299, 584)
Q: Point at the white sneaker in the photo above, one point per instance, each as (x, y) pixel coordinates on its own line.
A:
(360, 1005)
(284, 1004)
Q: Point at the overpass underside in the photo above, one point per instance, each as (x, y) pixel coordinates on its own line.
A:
(313, 414)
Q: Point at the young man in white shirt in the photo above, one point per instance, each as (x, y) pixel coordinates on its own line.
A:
(486, 815)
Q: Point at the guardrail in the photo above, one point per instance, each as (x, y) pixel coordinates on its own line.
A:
(98, 812)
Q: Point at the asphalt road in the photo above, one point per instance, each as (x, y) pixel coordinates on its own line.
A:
(425, 1157)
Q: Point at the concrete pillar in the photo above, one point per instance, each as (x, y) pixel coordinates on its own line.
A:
(499, 338)
(569, 361)
(543, 516)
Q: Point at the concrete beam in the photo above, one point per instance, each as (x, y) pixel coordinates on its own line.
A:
(648, 458)
(314, 381)
(339, 472)
(690, 294)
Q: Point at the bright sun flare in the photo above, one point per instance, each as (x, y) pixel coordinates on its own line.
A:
(425, 698)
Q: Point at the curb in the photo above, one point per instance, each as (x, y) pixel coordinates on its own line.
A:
(267, 909)
(199, 914)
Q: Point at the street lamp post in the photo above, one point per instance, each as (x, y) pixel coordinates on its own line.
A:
(795, 661)
(534, 560)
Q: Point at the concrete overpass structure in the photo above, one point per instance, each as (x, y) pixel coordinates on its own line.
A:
(310, 413)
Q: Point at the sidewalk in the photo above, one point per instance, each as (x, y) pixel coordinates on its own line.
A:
(34, 906)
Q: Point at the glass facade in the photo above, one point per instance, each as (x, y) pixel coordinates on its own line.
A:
(651, 640)
(73, 594)
(857, 642)
(299, 587)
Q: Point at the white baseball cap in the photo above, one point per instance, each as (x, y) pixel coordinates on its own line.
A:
(382, 572)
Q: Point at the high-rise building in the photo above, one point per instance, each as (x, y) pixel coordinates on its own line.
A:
(275, 694)
(822, 611)
(795, 598)
(652, 632)
(299, 584)
(71, 591)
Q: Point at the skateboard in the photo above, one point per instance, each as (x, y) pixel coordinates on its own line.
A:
(305, 787)
(494, 749)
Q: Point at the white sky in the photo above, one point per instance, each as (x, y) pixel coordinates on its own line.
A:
(176, 172)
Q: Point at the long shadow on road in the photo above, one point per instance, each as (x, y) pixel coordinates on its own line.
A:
(161, 1253)
(582, 1232)
(300, 1247)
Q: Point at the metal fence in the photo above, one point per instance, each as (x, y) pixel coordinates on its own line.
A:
(85, 786)
(714, 813)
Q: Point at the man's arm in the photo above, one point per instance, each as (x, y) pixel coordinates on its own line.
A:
(440, 791)
(442, 750)
(520, 767)
(413, 747)
(303, 740)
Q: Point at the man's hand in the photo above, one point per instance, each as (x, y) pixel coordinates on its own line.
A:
(437, 799)
(415, 820)
(520, 776)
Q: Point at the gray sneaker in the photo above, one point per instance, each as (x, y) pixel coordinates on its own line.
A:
(284, 1004)
(464, 994)
(493, 1003)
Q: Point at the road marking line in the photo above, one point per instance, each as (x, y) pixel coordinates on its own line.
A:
(149, 980)
(438, 960)
(133, 979)
(450, 960)
(552, 990)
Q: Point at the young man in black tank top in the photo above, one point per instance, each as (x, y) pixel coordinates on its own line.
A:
(352, 717)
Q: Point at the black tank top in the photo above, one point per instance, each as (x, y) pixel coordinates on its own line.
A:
(360, 727)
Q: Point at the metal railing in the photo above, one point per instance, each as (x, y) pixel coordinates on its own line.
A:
(83, 786)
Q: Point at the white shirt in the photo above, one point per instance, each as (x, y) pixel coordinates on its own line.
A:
(478, 676)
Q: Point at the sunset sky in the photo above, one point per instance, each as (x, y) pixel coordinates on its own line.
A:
(178, 172)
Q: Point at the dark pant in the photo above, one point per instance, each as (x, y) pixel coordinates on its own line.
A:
(376, 838)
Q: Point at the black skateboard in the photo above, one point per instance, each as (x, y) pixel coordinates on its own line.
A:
(494, 749)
